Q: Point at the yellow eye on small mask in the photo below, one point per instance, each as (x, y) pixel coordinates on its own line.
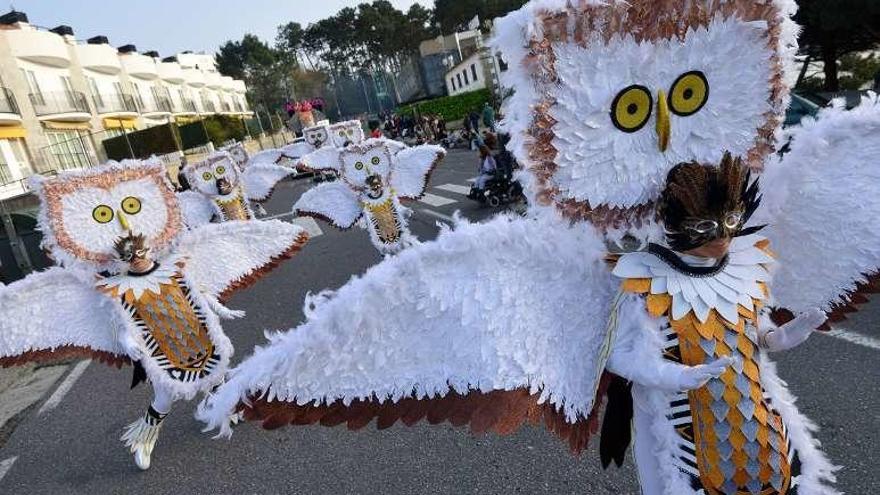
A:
(341, 133)
(131, 205)
(220, 170)
(375, 160)
(631, 108)
(102, 214)
(207, 176)
(359, 166)
(689, 93)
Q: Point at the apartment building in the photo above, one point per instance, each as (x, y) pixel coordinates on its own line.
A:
(60, 97)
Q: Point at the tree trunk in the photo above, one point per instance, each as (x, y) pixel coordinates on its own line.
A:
(829, 58)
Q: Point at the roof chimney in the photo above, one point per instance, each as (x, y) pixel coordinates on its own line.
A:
(62, 30)
(170, 59)
(152, 53)
(13, 17)
(98, 40)
(127, 49)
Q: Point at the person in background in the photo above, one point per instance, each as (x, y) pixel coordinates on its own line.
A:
(487, 167)
(289, 108)
(490, 140)
(475, 122)
(489, 116)
(375, 131)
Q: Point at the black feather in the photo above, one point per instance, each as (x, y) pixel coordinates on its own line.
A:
(616, 423)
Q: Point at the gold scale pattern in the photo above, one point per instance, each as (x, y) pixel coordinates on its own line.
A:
(234, 209)
(740, 442)
(385, 220)
(175, 326)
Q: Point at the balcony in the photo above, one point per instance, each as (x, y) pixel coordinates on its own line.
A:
(209, 106)
(227, 83)
(194, 77)
(185, 107)
(99, 58)
(156, 107)
(139, 66)
(213, 80)
(9, 112)
(62, 106)
(115, 105)
(41, 47)
(225, 107)
(171, 72)
(239, 87)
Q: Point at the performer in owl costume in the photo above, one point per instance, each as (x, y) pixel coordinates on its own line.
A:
(633, 122)
(373, 177)
(133, 286)
(222, 189)
(243, 160)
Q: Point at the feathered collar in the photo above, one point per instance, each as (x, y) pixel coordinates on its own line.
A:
(139, 284)
(736, 281)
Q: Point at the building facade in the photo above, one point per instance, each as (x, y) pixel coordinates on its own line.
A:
(60, 97)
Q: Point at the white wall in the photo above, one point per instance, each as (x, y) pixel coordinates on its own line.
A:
(461, 78)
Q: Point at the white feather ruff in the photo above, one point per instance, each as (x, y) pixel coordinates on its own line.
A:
(822, 205)
(507, 304)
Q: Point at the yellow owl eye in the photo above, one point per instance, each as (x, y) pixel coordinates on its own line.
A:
(689, 93)
(375, 160)
(207, 176)
(221, 170)
(131, 205)
(359, 166)
(102, 214)
(631, 108)
(341, 133)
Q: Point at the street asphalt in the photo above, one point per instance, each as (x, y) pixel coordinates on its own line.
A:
(74, 448)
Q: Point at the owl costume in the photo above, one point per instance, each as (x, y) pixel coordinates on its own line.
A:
(133, 286)
(373, 177)
(224, 190)
(521, 321)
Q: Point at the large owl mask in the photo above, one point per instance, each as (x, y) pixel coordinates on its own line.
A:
(366, 169)
(85, 213)
(346, 133)
(217, 175)
(611, 95)
(317, 136)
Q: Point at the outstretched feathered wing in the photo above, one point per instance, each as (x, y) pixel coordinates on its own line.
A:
(334, 202)
(493, 325)
(260, 180)
(224, 257)
(412, 169)
(326, 158)
(55, 315)
(823, 208)
(196, 208)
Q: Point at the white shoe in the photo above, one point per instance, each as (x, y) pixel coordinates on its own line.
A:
(140, 437)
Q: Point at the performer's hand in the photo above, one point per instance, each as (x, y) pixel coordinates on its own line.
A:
(694, 377)
(795, 332)
(132, 348)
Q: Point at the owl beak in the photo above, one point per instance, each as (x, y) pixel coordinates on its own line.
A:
(663, 126)
(123, 221)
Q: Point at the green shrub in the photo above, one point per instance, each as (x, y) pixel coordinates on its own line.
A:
(451, 108)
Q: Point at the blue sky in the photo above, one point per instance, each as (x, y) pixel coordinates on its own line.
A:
(171, 26)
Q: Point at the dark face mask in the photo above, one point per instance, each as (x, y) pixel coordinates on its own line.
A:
(700, 231)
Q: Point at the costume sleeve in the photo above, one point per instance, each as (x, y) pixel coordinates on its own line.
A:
(196, 208)
(53, 315)
(636, 353)
(224, 257)
(823, 211)
(493, 325)
(412, 169)
(260, 180)
(334, 202)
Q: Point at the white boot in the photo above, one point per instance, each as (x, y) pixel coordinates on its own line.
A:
(140, 437)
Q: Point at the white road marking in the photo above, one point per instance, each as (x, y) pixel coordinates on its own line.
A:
(445, 218)
(854, 338)
(65, 386)
(455, 188)
(433, 200)
(276, 217)
(309, 224)
(472, 180)
(6, 465)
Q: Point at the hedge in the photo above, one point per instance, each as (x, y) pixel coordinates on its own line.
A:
(451, 108)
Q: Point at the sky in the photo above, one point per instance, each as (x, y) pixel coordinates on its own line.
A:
(172, 26)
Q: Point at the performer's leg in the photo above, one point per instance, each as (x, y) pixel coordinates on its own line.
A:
(141, 435)
(644, 453)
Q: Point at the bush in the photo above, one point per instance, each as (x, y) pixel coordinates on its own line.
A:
(451, 108)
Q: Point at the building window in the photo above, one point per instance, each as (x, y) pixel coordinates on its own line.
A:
(66, 150)
(21, 156)
(466, 82)
(5, 172)
(96, 94)
(458, 76)
(474, 72)
(452, 83)
(34, 86)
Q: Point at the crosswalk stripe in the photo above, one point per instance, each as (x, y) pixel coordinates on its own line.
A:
(434, 200)
(455, 188)
(55, 399)
(472, 180)
(854, 338)
(309, 224)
